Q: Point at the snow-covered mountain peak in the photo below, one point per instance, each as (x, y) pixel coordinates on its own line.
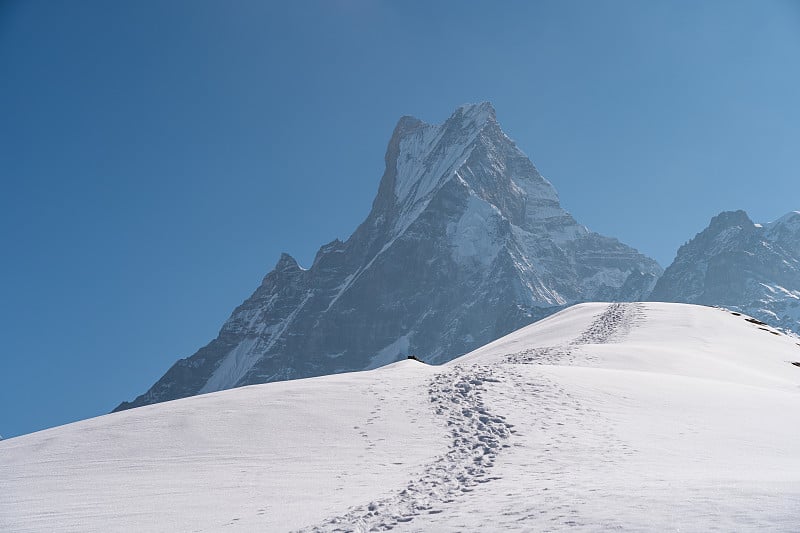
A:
(471, 150)
(725, 232)
(788, 223)
(475, 115)
(465, 242)
(785, 232)
(753, 268)
(792, 217)
(429, 155)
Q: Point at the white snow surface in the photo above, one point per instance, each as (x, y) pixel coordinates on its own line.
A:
(246, 354)
(627, 416)
(234, 366)
(474, 236)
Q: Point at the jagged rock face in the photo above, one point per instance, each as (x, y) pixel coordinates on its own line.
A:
(465, 242)
(735, 263)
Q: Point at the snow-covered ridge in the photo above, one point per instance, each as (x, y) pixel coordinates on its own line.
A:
(752, 268)
(786, 232)
(586, 420)
(791, 218)
(431, 154)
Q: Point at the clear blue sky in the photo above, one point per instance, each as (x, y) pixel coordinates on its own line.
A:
(157, 156)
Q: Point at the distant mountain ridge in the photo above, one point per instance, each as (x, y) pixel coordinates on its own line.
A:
(736, 263)
(466, 241)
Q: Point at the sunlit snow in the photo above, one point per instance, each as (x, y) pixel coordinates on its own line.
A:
(632, 417)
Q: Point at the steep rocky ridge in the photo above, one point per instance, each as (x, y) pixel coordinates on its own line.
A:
(736, 263)
(465, 242)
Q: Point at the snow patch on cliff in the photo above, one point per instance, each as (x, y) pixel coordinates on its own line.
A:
(391, 353)
(475, 236)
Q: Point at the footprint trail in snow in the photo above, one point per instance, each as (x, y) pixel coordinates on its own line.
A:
(613, 325)
(477, 437)
(477, 434)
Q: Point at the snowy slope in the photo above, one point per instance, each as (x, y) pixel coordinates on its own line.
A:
(274, 457)
(604, 416)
